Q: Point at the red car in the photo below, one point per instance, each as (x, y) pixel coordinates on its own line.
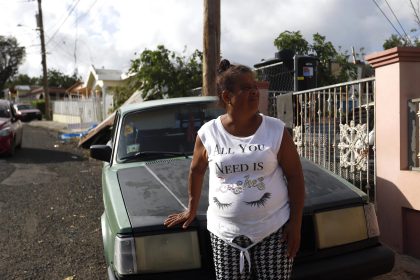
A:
(10, 129)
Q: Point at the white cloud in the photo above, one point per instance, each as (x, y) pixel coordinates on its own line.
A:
(109, 33)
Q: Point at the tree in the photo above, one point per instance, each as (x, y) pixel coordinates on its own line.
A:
(58, 79)
(397, 41)
(409, 41)
(292, 40)
(121, 94)
(326, 53)
(162, 73)
(22, 79)
(11, 56)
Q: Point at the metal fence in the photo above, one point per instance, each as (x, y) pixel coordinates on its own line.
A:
(414, 134)
(279, 75)
(334, 127)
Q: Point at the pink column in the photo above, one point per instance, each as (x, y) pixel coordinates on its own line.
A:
(397, 73)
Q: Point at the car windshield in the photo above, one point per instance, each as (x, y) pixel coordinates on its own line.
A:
(162, 132)
(4, 111)
(24, 107)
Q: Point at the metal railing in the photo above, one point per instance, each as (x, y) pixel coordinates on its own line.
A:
(414, 134)
(334, 127)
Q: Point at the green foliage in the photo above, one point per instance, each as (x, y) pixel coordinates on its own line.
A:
(326, 53)
(292, 40)
(397, 41)
(393, 41)
(55, 79)
(346, 70)
(58, 79)
(120, 95)
(162, 73)
(22, 79)
(11, 56)
(411, 40)
(39, 104)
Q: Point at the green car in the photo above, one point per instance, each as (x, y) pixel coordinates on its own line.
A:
(144, 179)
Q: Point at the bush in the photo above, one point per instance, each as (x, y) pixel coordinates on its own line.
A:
(40, 105)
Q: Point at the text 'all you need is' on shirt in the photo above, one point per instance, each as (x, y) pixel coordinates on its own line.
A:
(247, 190)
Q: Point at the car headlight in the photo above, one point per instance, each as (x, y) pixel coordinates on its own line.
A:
(157, 253)
(347, 225)
(5, 131)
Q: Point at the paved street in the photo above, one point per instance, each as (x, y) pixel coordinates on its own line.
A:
(50, 205)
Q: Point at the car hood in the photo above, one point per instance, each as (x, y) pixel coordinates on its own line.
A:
(156, 189)
(28, 111)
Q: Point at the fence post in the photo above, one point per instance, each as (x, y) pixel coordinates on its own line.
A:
(397, 74)
(264, 98)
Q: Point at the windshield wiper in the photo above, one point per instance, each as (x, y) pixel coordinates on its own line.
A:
(153, 154)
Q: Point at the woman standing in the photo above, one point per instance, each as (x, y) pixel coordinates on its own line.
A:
(256, 188)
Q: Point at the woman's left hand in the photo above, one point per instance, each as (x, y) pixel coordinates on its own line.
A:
(291, 234)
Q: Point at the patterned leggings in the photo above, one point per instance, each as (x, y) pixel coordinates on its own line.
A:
(268, 258)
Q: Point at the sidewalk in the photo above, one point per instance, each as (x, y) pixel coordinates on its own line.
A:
(52, 125)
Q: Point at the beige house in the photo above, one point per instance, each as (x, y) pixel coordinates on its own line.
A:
(100, 83)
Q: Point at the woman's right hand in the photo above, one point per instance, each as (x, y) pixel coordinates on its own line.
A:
(185, 217)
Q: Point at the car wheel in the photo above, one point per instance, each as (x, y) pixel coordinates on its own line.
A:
(39, 118)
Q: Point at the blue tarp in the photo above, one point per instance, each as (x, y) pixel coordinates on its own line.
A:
(76, 135)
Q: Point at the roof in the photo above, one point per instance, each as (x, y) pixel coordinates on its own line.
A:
(103, 75)
(76, 85)
(50, 89)
(22, 87)
(108, 74)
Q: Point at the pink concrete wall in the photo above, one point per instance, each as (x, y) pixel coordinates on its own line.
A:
(397, 73)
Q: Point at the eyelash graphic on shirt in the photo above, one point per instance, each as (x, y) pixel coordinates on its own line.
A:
(221, 205)
(261, 202)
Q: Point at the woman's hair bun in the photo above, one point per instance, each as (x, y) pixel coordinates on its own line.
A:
(223, 66)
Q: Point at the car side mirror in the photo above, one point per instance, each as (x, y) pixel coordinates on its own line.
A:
(101, 152)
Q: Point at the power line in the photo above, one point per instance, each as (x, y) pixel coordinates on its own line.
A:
(387, 19)
(392, 11)
(57, 46)
(88, 11)
(53, 26)
(415, 12)
(69, 13)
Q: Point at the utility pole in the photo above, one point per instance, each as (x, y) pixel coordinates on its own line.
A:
(40, 25)
(211, 45)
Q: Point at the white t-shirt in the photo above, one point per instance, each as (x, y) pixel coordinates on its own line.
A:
(247, 190)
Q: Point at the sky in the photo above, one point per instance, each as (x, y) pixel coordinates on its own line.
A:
(109, 34)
